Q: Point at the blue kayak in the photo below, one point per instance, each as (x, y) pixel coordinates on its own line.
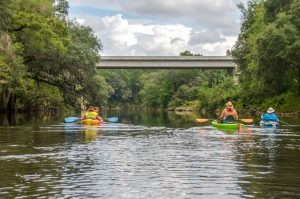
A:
(269, 124)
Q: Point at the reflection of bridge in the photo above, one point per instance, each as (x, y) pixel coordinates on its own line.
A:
(167, 62)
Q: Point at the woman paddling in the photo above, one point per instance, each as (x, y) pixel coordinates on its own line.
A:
(229, 114)
(92, 114)
(96, 109)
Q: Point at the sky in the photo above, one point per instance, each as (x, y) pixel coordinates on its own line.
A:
(160, 27)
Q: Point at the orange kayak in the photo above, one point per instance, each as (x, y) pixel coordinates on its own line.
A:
(91, 122)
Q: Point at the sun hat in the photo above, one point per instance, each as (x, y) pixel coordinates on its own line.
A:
(91, 108)
(270, 110)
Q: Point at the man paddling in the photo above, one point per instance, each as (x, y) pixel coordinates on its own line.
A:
(229, 114)
(269, 117)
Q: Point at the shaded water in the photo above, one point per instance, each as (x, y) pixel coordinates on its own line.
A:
(147, 155)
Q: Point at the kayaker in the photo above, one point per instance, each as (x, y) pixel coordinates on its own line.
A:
(229, 114)
(96, 109)
(270, 116)
(91, 114)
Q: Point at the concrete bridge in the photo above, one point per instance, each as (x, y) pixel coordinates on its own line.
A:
(167, 62)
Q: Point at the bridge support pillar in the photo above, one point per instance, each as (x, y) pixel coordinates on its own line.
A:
(235, 74)
(231, 71)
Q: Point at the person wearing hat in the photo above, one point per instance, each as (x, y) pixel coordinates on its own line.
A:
(91, 114)
(229, 114)
(270, 116)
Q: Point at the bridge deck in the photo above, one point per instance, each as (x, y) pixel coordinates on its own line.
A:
(166, 62)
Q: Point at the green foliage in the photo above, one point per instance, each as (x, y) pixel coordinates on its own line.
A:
(189, 88)
(124, 86)
(189, 53)
(39, 43)
(39, 97)
(186, 53)
(217, 95)
(268, 50)
(286, 102)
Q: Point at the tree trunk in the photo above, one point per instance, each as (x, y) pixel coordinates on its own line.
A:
(3, 101)
(11, 106)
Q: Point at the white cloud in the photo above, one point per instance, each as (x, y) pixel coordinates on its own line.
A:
(167, 27)
(80, 21)
(206, 13)
(119, 37)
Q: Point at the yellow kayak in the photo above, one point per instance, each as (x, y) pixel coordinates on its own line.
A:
(91, 122)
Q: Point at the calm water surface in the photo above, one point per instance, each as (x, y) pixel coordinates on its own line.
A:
(147, 155)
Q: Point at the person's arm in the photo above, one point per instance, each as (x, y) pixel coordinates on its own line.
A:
(222, 115)
(99, 118)
(277, 118)
(235, 115)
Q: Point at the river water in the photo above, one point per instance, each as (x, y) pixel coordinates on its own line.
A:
(147, 155)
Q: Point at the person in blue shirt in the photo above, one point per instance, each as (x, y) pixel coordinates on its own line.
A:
(270, 116)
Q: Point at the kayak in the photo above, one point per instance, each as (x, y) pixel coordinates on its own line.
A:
(226, 126)
(91, 122)
(268, 124)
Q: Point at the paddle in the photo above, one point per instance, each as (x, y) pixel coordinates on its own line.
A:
(75, 119)
(248, 121)
(71, 119)
(202, 120)
(112, 119)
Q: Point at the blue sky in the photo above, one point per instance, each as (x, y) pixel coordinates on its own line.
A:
(155, 27)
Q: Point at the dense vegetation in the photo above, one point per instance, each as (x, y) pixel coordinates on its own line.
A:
(268, 53)
(48, 61)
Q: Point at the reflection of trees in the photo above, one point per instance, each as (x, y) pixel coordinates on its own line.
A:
(271, 168)
(156, 118)
(18, 119)
(29, 163)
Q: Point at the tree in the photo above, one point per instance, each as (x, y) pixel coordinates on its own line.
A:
(267, 50)
(39, 43)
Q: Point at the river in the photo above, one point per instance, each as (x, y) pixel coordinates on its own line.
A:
(146, 155)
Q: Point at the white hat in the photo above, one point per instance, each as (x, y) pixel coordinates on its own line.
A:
(270, 110)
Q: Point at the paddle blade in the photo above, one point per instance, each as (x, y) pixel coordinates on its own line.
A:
(202, 120)
(112, 119)
(71, 119)
(248, 121)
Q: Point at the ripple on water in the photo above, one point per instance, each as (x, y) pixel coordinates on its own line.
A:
(127, 161)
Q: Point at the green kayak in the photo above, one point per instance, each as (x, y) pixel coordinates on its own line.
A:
(226, 126)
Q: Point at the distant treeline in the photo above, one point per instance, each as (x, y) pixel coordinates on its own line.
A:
(48, 61)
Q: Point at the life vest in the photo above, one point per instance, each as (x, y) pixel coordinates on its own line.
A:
(91, 115)
(229, 119)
